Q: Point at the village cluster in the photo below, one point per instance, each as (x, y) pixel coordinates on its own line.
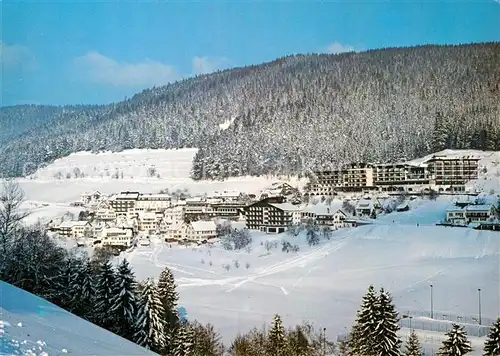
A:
(129, 218)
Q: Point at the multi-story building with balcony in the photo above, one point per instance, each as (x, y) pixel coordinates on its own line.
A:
(271, 215)
(123, 202)
(153, 202)
(452, 173)
(400, 176)
(358, 177)
(442, 173)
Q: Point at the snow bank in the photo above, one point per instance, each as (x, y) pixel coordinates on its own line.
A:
(31, 325)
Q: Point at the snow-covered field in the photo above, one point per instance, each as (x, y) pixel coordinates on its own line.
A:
(324, 284)
(32, 326)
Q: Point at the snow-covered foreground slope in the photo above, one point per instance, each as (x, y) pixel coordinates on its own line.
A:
(324, 284)
(30, 325)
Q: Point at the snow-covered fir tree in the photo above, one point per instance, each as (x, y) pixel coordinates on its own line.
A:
(68, 274)
(385, 337)
(124, 303)
(361, 341)
(413, 347)
(456, 343)
(169, 297)
(207, 341)
(82, 291)
(298, 343)
(492, 343)
(184, 340)
(150, 330)
(277, 337)
(104, 294)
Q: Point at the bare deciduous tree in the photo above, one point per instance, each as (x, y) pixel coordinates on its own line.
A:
(11, 215)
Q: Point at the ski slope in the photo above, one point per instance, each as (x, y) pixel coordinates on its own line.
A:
(30, 325)
(324, 284)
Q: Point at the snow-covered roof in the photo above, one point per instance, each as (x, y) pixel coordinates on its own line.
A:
(226, 194)
(128, 195)
(480, 207)
(364, 204)
(285, 206)
(65, 224)
(456, 210)
(154, 197)
(70, 224)
(203, 226)
(322, 209)
(117, 230)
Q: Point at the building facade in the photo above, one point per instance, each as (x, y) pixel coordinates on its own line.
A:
(271, 215)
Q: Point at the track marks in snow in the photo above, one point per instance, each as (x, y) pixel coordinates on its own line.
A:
(299, 261)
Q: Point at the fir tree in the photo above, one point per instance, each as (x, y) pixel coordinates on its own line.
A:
(82, 291)
(492, 343)
(104, 294)
(63, 294)
(169, 297)
(413, 347)
(277, 337)
(297, 343)
(208, 341)
(184, 340)
(124, 304)
(385, 337)
(361, 340)
(456, 344)
(150, 331)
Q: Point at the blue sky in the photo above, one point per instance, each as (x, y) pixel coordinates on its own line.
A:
(95, 52)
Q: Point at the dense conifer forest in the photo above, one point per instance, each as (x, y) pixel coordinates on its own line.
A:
(302, 110)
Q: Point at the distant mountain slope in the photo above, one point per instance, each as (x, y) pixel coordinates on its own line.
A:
(378, 105)
(30, 325)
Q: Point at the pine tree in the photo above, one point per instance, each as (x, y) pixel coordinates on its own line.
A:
(361, 340)
(413, 347)
(456, 344)
(104, 294)
(82, 291)
(385, 337)
(277, 337)
(184, 340)
(169, 297)
(297, 343)
(150, 331)
(492, 343)
(208, 341)
(124, 304)
(63, 297)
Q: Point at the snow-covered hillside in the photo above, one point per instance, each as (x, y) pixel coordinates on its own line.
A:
(135, 163)
(30, 325)
(324, 284)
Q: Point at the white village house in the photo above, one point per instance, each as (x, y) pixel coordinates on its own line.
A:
(74, 229)
(472, 214)
(115, 236)
(196, 231)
